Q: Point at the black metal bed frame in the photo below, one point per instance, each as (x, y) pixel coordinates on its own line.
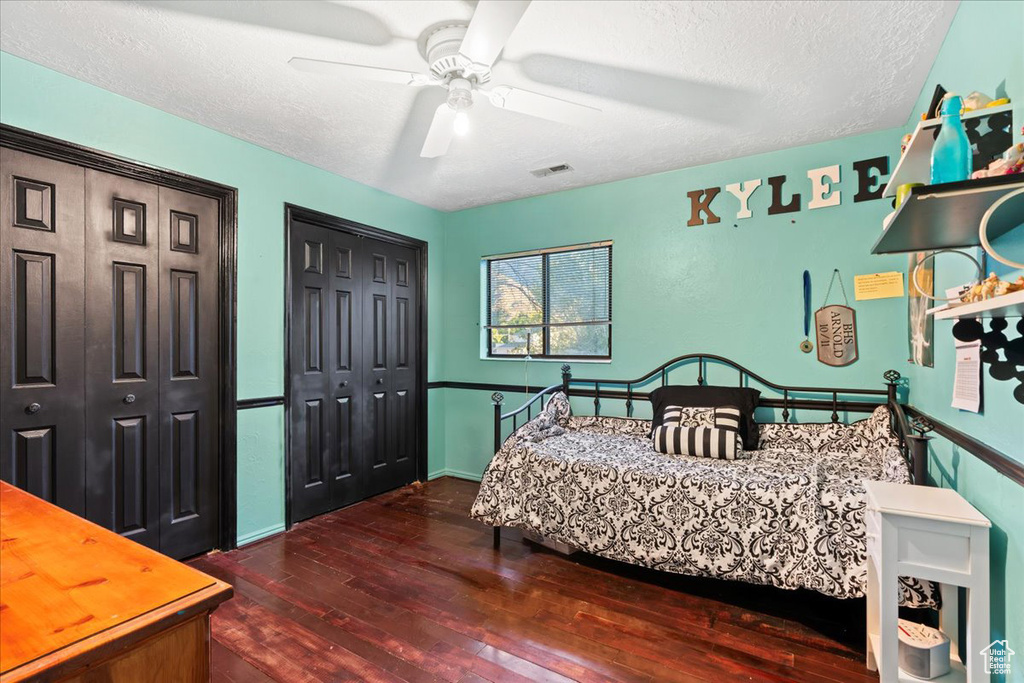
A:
(913, 443)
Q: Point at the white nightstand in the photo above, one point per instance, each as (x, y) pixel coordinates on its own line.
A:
(931, 534)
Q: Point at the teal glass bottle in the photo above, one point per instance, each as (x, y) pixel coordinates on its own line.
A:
(951, 154)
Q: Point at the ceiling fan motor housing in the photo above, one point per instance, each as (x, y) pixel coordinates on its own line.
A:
(442, 53)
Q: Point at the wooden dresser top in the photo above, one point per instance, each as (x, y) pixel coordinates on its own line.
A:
(69, 588)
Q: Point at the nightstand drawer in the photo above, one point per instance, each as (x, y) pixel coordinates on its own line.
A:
(934, 549)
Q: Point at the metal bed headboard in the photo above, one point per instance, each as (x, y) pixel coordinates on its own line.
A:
(913, 443)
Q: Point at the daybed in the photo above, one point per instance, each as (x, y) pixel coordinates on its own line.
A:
(791, 516)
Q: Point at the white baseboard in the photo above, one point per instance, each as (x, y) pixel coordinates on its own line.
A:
(458, 474)
(259, 534)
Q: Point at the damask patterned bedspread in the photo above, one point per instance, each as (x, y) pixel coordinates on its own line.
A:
(791, 516)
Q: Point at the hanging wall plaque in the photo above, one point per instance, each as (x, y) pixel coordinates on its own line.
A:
(836, 330)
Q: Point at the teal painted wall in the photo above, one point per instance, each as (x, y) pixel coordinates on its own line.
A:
(732, 288)
(998, 68)
(47, 102)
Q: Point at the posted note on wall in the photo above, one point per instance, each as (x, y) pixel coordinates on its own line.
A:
(877, 286)
(967, 377)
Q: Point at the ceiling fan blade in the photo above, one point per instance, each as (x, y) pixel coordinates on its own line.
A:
(541, 106)
(309, 17)
(368, 73)
(489, 29)
(720, 104)
(442, 130)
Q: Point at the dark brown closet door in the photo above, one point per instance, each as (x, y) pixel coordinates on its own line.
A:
(325, 356)
(310, 490)
(189, 372)
(353, 360)
(390, 334)
(344, 354)
(122, 356)
(42, 390)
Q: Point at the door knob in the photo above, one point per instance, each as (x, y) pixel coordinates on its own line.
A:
(130, 398)
(345, 383)
(380, 380)
(32, 408)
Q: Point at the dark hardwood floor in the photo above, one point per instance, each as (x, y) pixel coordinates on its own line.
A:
(405, 587)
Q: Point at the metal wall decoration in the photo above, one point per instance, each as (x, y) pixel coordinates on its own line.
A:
(836, 329)
(920, 325)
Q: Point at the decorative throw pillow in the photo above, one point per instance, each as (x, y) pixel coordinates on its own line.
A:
(707, 442)
(695, 416)
(541, 427)
(549, 422)
(740, 397)
(729, 418)
(558, 407)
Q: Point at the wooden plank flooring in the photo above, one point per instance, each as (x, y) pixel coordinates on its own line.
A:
(405, 587)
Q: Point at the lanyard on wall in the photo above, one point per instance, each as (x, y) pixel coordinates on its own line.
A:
(806, 346)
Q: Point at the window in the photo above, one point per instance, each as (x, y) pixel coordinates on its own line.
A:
(552, 303)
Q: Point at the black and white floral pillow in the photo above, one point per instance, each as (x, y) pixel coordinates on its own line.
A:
(689, 417)
(558, 407)
(549, 423)
(539, 428)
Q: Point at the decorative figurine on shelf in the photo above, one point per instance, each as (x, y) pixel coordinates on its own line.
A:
(991, 287)
(976, 100)
(951, 154)
(905, 142)
(1011, 161)
(1009, 287)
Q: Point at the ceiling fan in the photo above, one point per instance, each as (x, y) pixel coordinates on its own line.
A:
(460, 58)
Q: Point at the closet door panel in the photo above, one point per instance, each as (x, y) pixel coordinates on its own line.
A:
(122, 346)
(189, 372)
(310, 378)
(377, 360)
(402, 395)
(344, 385)
(390, 357)
(42, 390)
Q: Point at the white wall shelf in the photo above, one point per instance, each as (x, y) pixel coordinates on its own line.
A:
(1005, 306)
(947, 216)
(916, 163)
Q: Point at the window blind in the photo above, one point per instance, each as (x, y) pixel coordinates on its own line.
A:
(553, 303)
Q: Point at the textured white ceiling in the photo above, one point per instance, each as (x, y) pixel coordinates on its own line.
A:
(679, 83)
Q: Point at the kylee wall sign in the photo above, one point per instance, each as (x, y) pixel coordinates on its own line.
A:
(836, 329)
(824, 192)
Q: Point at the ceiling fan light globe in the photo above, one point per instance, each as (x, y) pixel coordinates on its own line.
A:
(460, 94)
(461, 123)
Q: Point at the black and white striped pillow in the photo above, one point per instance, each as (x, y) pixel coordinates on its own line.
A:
(707, 442)
(673, 415)
(729, 418)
